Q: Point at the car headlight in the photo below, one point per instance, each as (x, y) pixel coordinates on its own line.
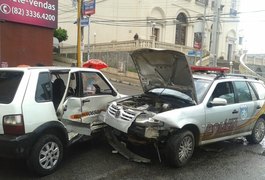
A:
(148, 120)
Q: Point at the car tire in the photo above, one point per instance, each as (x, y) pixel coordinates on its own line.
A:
(46, 155)
(258, 132)
(180, 148)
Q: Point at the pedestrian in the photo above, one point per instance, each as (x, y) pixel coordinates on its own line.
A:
(136, 37)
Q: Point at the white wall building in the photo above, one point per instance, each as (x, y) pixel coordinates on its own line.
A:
(172, 21)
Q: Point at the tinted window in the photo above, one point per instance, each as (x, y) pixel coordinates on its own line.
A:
(260, 89)
(224, 90)
(254, 96)
(201, 87)
(43, 91)
(243, 91)
(9, 82)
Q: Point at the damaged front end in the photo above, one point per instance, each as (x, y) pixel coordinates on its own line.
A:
(136, 115)
(168, 85)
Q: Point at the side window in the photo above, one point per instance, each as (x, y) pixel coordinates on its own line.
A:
(224, 90)
(9, 82)
(43, 91)
(73, 89)
(94, 84)
(254, 95)
(260, 89)
(243, 91)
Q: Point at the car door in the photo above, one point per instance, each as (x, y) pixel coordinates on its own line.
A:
(221, 120)
(88, 93)
(248, 105)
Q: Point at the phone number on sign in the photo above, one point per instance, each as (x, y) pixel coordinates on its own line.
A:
(33, 14)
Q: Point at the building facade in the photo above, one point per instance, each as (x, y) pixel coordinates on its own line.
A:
(171, 21)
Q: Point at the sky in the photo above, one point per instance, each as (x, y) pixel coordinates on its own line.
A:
(252, 22)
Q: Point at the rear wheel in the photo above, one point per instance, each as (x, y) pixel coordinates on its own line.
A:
(258, 132)
(46, 155)
(180, 148)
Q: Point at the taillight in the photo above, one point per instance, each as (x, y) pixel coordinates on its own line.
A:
(13, 124)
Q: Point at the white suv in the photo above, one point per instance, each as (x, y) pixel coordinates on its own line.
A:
(180, 110)
(44, 109)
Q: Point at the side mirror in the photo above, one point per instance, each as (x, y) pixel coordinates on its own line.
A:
(114, 93)
(217, 102)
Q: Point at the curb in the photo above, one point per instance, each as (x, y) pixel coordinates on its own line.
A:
(123, 82)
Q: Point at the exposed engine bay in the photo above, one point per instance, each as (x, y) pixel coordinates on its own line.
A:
(153, 103)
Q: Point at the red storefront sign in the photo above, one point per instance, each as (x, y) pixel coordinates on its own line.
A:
(34, 12)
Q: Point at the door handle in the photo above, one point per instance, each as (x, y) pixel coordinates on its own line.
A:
(65, 108)
(235, 111)
(258, 106)
(86, 100)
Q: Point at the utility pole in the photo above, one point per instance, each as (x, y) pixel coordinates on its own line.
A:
(79, 60)
(203, 29)
(215, 32)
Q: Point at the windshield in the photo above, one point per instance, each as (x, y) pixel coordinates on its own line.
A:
(170, 92)
(9, 81)
(201, 87)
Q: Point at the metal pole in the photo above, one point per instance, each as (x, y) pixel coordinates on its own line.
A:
(79, 33)
(203, 30)
(215, 33)
(88, 39)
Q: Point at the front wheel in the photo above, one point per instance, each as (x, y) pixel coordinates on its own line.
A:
(180, 148)
(258, 132)
(46, 155)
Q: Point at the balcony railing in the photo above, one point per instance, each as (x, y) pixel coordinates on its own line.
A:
(244, 69)
(127, 46)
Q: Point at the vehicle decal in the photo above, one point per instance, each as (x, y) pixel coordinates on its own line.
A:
(254, 118)
(224, 128)
(217, 128)
(244, 112)
(84, 114)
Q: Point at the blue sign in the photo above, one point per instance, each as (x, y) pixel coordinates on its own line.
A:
(193, 53)
(84, 22)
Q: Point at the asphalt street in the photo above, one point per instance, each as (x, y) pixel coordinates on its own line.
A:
(95, 160)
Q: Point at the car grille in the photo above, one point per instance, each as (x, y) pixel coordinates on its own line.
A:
(116, 111)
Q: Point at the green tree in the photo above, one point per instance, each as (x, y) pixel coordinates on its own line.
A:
(60, 34)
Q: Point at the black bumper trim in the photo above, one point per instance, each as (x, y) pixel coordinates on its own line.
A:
(15, 146)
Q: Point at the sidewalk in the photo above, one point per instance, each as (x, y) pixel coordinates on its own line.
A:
(125, 78)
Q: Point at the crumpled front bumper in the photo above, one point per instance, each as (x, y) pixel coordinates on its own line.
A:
(117, 123)
(118, 146)
(144, 132)
(129, 127)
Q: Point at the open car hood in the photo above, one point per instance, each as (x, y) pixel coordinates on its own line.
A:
(159, 68)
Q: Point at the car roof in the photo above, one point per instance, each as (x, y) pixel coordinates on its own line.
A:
(213, 77)
(50, 68)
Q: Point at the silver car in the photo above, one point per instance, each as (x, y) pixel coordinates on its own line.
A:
(181, 109)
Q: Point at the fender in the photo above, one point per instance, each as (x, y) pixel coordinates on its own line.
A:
(52, 127)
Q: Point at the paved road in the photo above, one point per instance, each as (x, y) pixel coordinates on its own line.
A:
(94, 160)
(127, 89)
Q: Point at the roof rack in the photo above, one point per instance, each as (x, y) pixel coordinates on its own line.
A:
(243, 76)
